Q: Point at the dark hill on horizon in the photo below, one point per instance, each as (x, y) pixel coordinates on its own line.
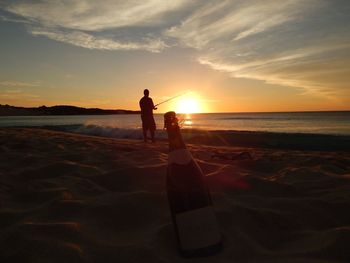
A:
(7, 110)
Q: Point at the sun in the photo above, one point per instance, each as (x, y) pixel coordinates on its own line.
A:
(188, 105)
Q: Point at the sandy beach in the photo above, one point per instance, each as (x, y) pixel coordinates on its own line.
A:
(77, 198)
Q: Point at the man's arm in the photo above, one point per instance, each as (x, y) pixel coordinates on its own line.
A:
(153, 105)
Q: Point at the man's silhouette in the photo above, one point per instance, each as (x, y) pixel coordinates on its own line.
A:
(147, 107)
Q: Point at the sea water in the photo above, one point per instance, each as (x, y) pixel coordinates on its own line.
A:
(335, 123)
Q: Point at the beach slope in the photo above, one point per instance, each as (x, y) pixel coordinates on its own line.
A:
(76, 198)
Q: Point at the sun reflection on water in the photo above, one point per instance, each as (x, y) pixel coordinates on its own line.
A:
(185, 120)
(188, 122)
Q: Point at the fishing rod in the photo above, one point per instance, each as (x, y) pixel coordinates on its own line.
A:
(171, 98)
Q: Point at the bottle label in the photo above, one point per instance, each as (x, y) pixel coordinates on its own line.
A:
(198, 228)
(180, 156)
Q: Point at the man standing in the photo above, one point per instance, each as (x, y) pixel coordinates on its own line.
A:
(148, 123)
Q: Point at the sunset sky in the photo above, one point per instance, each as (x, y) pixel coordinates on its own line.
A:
(237, 55)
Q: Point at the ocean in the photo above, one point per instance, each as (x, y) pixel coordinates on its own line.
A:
(330, 123)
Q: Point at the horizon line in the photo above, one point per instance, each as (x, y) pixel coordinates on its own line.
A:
(213, 112)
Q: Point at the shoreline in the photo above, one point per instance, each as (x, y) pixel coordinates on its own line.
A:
(127, 125)
(272, 140)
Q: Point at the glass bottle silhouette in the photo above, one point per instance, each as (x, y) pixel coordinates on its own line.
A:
(189, 198)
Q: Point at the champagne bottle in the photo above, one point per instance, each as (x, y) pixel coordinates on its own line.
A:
(189, 198)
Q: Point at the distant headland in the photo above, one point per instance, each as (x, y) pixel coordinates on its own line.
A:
(7, 110)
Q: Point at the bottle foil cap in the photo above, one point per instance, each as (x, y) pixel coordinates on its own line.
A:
(170, 120)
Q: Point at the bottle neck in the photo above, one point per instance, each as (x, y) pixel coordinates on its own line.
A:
(175, 139)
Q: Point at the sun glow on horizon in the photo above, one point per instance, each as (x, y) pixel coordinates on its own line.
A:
(189, 104)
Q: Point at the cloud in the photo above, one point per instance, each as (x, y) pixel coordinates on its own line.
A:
(95, 15)
(295, 43)
(85, 40)
(235, 20)
(18, 96)
(104, 25)
(291, 43)
(320, 73)
(13, 20)
(18, 84)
